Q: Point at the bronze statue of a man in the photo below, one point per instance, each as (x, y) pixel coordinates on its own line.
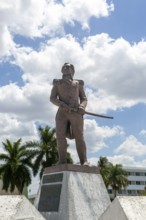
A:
(68, 94)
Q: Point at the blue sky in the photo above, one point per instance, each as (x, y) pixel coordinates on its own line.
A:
(106, 42)
(127, 21)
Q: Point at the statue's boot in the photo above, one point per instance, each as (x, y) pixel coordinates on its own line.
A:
(86, 163)
(81, 149)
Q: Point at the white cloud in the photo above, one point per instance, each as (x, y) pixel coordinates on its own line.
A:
(22, 17)
(47, 17)
(46, 64)
(82, 10)
(131, 147)
(119, 159)
(99, 101)
(29, 103)
(12, 128)
(93, 161)
(126, 154)
(92, 62)
(117, 67)
(113, 69)
(125, 160)
(6, 41)
(143, 133)
(96, 135)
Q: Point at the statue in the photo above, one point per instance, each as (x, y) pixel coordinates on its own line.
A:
(69, 95)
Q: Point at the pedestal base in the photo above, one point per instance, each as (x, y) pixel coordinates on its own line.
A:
(72, 192)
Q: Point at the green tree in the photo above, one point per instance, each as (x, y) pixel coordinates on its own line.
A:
(113, 175)
(117, 178)
(104, 168)
(15, 170)
(45, 150)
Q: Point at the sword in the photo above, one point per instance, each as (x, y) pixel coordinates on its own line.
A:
(97, 115)
(93, 114)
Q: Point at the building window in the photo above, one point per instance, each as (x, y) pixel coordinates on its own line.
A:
(140, 174)
(131, 182)
(142, 183)
(129, 192)
(138, 183)
(110, 191)
(131, 173)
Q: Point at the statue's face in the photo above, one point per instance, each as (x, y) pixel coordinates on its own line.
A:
(68, 69)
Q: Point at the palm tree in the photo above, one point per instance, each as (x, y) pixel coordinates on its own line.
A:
(117, 178)
(15, 169)
(45, 149)
(103, 165)
(113, 175)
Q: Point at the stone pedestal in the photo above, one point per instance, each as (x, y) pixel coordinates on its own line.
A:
(72, 192)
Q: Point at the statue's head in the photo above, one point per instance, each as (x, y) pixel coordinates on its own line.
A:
(68, 69)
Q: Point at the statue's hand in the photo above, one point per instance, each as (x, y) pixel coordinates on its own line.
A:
(65, 107)
(81, 111)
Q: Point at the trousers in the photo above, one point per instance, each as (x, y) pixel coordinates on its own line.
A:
(76, 121)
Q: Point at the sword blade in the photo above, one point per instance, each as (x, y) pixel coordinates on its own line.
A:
(97, 115)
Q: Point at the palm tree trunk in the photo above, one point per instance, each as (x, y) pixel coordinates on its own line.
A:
(115, 193)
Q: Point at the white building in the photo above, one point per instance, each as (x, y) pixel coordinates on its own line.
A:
(137, 182)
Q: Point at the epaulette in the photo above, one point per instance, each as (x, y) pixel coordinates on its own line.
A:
(56, 81)
(81, 82)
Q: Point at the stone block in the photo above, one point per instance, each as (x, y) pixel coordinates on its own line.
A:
(126, 208)
(18, 208)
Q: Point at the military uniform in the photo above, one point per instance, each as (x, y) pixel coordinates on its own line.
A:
(71, 93)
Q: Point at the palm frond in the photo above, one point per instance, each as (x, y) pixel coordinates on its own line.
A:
(4, 157)
(37, 163)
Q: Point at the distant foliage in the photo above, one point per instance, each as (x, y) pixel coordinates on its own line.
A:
(15, 170)
(113, 175)
(18, 161)
(45, 150)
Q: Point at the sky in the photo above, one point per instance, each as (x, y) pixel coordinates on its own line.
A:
(106, 42)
